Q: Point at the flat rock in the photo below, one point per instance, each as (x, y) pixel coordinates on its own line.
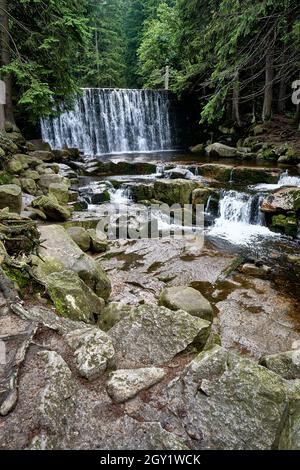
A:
(127, 383)
(154, 335)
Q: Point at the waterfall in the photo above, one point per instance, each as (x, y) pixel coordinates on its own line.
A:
(240, 218)
(114, 121)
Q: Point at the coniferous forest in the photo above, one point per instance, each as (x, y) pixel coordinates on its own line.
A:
(150, 229)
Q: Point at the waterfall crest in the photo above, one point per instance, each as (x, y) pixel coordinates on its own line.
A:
(114, 121)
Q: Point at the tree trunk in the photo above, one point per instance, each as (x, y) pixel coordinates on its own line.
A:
(269, 74)
(5, 59)
(236, 101)
(2, 118)
(282, 86)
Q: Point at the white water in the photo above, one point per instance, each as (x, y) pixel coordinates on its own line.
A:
(240, 220)
(284, 180)
(107, 121)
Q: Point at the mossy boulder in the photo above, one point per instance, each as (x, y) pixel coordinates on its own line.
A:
(218, 150)
(51, 208)
(178, 191)
(72, 297)
(46, 181)
(28, 185)
(248, 175)
(59, 250)
(15, 166)
(216, 171)
(7, 144)
(285, 364)
(11, 197)
(60, 191)
(32, 174)
(112, 314)
(81, 237)
(200, 149)
(282, 200)
(44, 155)
(229, 401)
(99, 242)
(201, 195)
(141, 191)
(188, 299)
(153, 334)
(285, 224)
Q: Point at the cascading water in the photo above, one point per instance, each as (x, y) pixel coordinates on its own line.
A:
(240, 218)
(114, 121)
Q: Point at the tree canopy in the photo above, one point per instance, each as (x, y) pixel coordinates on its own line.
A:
(238, 58)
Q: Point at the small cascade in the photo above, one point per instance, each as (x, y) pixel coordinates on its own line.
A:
(286, 180)
(107, 121)
(240, 218)
(121, 196)
(231, 176)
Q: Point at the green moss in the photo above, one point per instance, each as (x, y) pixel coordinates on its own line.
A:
(5, 178)
(286, 224)
(18, 277)
(268, 154)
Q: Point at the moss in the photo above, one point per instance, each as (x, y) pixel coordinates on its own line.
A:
(286, 224)
(268, 154)
(5, 178)
(18, 277)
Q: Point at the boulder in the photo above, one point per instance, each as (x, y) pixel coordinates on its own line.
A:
(112, 314)
(15, 166)
(142, 191)
(221, 151)
(81, 237)
(282, 200)
(178, 191)
(188, 299)
(286, 364)
(72, 297)
(225, 401)
(60, 191)
(290, 436)
(28, 186)
(44, 155)
(99, 242)
(93, 351)
(32, 174)
(201, 195)
(253, 270)
(127, 383)
(249, 175)
(17, 138)
(11, 197)
(47, 180)
(7, 144)
(200, 148)
(60, 252)
(216, 171)
(51, 208)
(153, 334)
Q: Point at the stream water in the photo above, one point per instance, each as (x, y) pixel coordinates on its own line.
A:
(254, 315)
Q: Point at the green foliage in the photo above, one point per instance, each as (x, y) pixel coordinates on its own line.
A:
(102, 62)
(45, 41)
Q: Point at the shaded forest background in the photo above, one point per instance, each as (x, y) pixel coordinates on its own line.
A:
(236, 59)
